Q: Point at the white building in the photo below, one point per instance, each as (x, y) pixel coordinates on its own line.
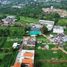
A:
(17, 6)
(58, 29)
(47, 23)
(15, 45)
(65, 38)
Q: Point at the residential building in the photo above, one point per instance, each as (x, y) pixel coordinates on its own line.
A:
(25, 58)
(15, 45)
(35, 30)
(58, 29)
(47, 23)
(29, 41)
(9, 20)
(61, 12)
(65, 38)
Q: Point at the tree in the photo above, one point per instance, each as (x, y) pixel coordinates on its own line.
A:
(53, 17)
(18, 18)
(44, 29)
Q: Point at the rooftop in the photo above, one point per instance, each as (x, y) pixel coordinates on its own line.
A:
(25, 57)
(29, 40)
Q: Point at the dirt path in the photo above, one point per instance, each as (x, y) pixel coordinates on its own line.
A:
(53, 61)
(46, 37)
(64, 51)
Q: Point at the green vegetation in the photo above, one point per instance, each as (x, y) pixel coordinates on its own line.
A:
(9, 35)
(12, 31)
(42, 56)
(7, 55)
(46, 64)
(53, 16)
(42, 39)
(48, 55)
(62, 22)
(28, 20)
(30, 13)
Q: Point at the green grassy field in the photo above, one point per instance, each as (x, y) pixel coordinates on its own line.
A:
(28, 20)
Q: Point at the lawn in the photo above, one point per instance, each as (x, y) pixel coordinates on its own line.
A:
(28, 20)
(42, 39)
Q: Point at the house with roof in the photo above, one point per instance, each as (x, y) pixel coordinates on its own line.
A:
(65, 38)
(29, 41)
(58, 29)
(47, 23)
(9, 20)
(15, 45)
(25, 58)
(35, 30)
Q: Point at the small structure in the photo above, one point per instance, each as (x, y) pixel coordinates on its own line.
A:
(15, 45)
(58, 39)
(17, 6)
(61, 12)
(29, 41)
(58, 29)
(46, 47)
(51, 36)
(25, 58)
(9, 20)
(65, 38)
(47, 23)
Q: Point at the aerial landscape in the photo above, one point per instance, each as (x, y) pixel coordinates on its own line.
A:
(33, 33)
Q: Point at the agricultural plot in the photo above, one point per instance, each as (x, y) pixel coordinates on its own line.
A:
(49, 54)
(49, 58)
(7, 54)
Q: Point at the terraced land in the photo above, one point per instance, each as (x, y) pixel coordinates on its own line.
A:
(7, 54)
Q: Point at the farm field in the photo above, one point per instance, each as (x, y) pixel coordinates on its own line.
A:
(7, 54)
(45, 57)
(49, 58)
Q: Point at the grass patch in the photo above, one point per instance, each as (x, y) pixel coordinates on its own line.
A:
(28, 20)
(62, 22)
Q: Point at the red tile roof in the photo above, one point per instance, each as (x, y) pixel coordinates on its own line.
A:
(17, 64)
